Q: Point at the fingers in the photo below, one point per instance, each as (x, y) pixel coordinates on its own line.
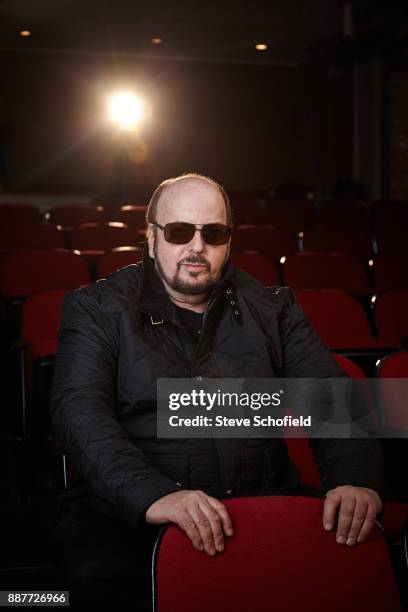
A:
(187, 523)
(204, 519)
(358, 508)
(359, 516)
(209, 529)
(345, 518)
(222, 511)
(368, 524)
(331, 504)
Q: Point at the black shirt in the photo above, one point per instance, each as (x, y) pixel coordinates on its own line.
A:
(192, 321)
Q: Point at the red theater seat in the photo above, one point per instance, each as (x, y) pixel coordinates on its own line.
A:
(103, 236)
(299, 448)
(394, 365)
(343, 239)
(390, 215)
(40, 320)
(14, 237)
(25, 272)
(132, 215)
(390, 272)
(344, 213)
(339, 319)
(394, 392)
(16, 214)
(391, 317)
(392, 241)
(73, 216)
(326, 271)
(41, 316)
(259, 266)
(279, 558)
(290, 215)
(266, 239)
(118, 258)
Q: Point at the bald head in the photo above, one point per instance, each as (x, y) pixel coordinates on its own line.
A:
(193, 190)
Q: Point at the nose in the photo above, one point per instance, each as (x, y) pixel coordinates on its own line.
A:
(197, 243)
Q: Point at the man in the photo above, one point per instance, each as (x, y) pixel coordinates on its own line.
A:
(183, 312)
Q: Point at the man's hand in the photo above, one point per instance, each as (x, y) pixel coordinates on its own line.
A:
(203, 518)
(358, 508)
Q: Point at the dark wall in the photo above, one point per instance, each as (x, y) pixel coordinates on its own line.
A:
(247, 126)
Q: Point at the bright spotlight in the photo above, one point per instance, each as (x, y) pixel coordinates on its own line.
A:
(126, 110)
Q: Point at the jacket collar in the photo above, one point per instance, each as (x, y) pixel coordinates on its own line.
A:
(154, 299)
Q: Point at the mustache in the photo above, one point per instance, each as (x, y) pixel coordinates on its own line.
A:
(195, 260)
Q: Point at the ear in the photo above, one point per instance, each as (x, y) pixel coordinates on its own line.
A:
(150, 241)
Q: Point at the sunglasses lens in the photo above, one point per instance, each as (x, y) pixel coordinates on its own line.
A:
(179, 233)
(215, 233)
(182, 233)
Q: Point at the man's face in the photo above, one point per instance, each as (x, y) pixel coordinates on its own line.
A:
(195, 267)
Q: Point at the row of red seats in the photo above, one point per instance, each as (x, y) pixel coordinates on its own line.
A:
(338, 317)
(300, 213)
(267, 239)
(256, 207)
(22, 272)
(275, 242)
(292, 216)
(315, 270)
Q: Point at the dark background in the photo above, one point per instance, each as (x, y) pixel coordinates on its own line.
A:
(326, 100)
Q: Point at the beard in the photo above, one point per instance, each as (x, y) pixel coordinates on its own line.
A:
(184, 286)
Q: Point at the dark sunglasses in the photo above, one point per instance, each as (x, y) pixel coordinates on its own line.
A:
(182, 233)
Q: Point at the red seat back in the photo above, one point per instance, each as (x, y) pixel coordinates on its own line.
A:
(391, 317)
(40, 320)
(16, 214)
(315, 270)
(299, 448)
(392, 241)
(73, 216)
(345, 213)
(117, 258)
(30, 236)
(394, 392)
(338, 318)
(103, 236)
(390, 272)
(279, 558)
(133, 215)
(41, 316)
(292, 215)
(343, 239)
(25, 272)
(259, 266)
(268, 240)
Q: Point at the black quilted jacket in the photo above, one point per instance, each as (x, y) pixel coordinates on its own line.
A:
(118, 335)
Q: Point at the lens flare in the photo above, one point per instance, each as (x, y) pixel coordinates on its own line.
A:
(126, 110)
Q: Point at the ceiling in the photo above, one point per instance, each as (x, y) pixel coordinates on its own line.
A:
(222, 30)
(214, 31)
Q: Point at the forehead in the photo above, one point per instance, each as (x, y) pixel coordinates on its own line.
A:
(192, 201)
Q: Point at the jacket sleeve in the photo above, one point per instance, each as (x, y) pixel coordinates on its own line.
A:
(82, 411)
(342, 461)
